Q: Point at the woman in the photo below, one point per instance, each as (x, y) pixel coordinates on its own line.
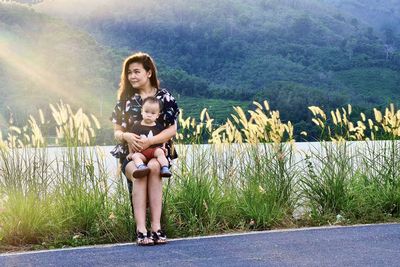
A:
(138, 81)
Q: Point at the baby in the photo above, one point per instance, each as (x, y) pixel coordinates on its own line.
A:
(148, 127)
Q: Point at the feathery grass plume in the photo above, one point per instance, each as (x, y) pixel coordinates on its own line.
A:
(266, 105)
(73, 128)
(202, 114)
(41, 116)
(3, 144)
(363, 118)
(13, 136)
(342, 128)
(320, 120)
(216, 135)
(338, 117)
(242, 116)
(259, 106)
(96, 121)
(334, 118)
(192, 132)
(37, 139)
(370, 124)
(261, 126)
(317, 111)
(14, 129)
(388, 125)
(378, 115)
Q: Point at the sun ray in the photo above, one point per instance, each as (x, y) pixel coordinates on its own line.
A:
(40, 76)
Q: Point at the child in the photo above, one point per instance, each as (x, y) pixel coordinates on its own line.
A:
(148, 127)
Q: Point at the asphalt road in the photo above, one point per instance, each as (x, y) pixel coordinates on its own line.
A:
(367, 245)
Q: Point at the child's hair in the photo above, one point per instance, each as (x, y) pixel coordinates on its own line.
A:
(153, 100)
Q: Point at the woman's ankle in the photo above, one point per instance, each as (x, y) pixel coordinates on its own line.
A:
(155, 228)
(141, 230)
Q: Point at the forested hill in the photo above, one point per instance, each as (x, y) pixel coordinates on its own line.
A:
(383, 15)
(293, 53)
(43, 59)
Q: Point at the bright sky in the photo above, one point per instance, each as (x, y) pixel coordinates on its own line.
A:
(68, 7)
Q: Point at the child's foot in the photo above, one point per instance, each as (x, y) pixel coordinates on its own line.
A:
(165, 172)
(141, 171)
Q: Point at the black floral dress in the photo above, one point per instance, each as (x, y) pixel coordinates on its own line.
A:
(127, 112)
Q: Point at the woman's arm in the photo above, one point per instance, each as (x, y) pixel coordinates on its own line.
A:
(119, 133)
(134, 141)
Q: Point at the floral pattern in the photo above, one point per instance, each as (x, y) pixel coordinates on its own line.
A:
(128, 111)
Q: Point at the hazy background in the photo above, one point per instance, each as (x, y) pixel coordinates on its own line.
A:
(209, 53)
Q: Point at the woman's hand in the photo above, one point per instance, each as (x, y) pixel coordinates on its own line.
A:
(134, 141)
(146, 142)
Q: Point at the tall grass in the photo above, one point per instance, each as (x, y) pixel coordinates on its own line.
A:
(325, 183)
(199, 202)
(343, 185)
(240, 175)
(65, 200)
(266, 196)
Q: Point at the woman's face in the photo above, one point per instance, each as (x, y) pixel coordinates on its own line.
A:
(138, 76)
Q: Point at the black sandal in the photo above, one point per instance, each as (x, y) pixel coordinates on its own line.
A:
(159, 237)
(144, 240)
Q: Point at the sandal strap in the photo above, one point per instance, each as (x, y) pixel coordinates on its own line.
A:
(142, 239)
(159, 236)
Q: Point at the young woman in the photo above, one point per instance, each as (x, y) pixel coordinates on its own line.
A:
(139, 81)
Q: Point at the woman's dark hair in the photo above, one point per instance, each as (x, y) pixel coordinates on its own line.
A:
(125, 88)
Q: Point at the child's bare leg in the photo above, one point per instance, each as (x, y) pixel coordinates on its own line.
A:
(138, 158)
(142, 170)
(160, 155)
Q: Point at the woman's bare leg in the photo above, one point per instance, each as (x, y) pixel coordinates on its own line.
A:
(139, 197)
(154, 189)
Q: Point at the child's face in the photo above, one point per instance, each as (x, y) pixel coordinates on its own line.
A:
(150, 112)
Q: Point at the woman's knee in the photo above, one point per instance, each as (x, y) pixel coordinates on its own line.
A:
(128, 169)
(154, 166)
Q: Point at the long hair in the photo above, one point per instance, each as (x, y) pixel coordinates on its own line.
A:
(125, 88)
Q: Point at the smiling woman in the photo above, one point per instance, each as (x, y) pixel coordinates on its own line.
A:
(138, 82)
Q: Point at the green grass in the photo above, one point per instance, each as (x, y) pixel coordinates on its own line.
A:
(358, 185)
(266, 196)
(71, 200)
(214, 190)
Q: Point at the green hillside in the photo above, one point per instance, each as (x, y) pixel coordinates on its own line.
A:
(218, 109)
(44, 60)
(234, 49)
(293, 53)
